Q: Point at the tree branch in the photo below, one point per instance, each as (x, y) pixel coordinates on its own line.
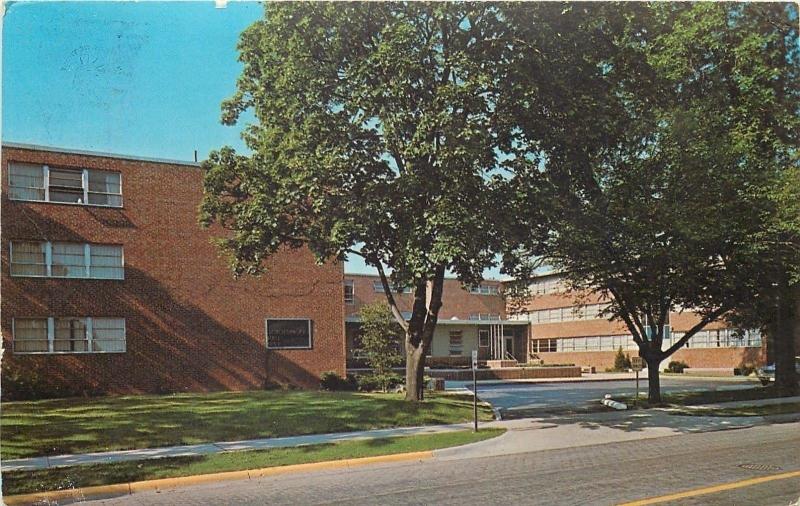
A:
(694, 330)
(387, 290)
(435, 304)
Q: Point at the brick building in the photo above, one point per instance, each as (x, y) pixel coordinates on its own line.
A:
(564, 331)
(110, 285)
(469, 319)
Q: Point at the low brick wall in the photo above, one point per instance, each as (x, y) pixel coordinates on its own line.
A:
(709, 371)
(509, 373)
(453, 361)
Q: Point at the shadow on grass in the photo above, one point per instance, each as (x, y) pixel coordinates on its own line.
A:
(119, 423)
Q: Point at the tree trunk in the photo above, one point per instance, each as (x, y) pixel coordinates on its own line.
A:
(784, 342)
(415, 369)
(653, 380)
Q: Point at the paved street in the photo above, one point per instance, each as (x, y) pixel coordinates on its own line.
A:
(548, 396)
(597, 475)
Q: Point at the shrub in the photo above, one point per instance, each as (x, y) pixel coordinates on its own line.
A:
(28, 382)
(331, 381)
(745, 370)
(380, 339)
(374, 382)
(622, 362)
(677, 366)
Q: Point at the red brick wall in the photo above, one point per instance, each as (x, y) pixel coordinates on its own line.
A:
(698, 357)
(456, 301)
(680, 322)
(190, 325)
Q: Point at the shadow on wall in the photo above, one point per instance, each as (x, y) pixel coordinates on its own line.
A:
(752, 358)
(172, 345)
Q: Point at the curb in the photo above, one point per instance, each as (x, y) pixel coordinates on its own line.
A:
(121, 489)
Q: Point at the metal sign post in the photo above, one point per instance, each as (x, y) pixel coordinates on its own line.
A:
(637, 364)
(475, 389)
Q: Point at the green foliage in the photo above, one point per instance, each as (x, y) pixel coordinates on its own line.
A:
(654, 151)
(622, 362)
(332, 381)
(380, 340)
(379, 129)
(374, 382)
(676, 366)
(25, 381)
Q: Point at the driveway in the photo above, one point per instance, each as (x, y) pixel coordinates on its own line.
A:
(580, 395)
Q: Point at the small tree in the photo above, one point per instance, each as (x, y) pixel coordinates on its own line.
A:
(380, 341)
(621, 362)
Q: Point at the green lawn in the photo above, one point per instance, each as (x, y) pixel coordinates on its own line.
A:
(22, 482)
(711, 396)
(772, 409)
(54, 427)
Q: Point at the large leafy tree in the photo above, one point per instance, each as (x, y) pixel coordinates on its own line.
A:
(380, 130)
(653, 139)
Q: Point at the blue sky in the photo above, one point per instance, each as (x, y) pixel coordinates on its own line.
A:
(135, 78)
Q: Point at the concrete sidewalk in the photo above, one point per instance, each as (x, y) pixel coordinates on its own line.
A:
(740, 404)
(558, 432)
(209, 448)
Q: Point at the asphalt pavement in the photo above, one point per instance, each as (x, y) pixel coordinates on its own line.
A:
(577, 395)
(597, 475)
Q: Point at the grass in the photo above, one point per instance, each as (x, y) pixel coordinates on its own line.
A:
(712, 396)
(53, 427)
(22, 482)
(772, 409)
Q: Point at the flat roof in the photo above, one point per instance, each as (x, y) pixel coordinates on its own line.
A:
(364, 274)
(444, 321)
(52, 149)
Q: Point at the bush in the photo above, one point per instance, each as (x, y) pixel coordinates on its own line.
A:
(375, 382)
(29, 382)
(331, 381)
(677, 366)
(622, 362)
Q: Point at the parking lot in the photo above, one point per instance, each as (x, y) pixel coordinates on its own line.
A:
(580, 395)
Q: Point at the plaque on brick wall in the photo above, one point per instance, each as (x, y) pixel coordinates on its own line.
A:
(291, 333)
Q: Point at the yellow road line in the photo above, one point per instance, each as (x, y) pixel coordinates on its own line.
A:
(714, 489)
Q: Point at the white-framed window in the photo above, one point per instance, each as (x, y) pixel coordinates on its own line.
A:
(349, 292)
(377, 286)
(66, 260)
(483, 338)
(544, 345)
(289, 333)
(108, 335)
(43, 183)
(568, 314)
(547, 285)
(730, 338)
(29, 258)
(456, 342)
(484, 290)
(484, 316)
(30, 335)
(68, 335)
(25, 181)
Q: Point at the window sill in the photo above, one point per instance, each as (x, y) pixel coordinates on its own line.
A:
(64, 203)
(67, 352)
